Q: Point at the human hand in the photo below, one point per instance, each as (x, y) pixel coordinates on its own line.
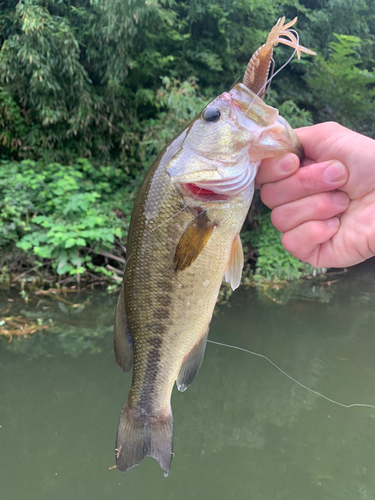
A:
(326, 210)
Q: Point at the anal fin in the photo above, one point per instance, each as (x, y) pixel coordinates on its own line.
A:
(191, 364)
(233, 273)
(122, 342)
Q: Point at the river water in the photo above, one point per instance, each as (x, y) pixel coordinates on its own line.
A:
(243, 430)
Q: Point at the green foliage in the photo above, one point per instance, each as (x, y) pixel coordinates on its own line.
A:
(64, 65)
(82, 78)
(178, 103)
(62, 213)
(40, 67)
(113, 81)
(12, 124)
(296, 116)
(341, 91)
(273, 260)
(291, 111)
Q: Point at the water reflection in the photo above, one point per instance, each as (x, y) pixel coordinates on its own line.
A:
(71, 330)
(242, 430)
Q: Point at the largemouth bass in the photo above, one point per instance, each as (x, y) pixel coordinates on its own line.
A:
(183, 238)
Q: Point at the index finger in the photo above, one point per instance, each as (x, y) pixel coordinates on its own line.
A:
(276, 169)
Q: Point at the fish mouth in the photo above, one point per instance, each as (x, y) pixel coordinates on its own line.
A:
(220, 189)
(202, 194)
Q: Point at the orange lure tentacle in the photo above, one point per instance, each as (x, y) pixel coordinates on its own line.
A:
(257, 71)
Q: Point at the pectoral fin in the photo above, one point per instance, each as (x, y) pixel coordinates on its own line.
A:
(192, 242)
(122, 342)
(233, 273)
(191, 364)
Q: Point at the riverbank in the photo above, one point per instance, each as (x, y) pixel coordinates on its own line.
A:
(67, 224)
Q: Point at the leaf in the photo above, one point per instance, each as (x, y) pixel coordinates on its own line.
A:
(25, 245)
(70, 242)
(75, 259)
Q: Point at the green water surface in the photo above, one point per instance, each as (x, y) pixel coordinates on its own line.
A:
(243, 430)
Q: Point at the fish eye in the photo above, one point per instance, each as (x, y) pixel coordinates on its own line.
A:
(211, 114)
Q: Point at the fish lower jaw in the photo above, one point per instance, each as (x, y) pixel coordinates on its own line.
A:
(198, 193)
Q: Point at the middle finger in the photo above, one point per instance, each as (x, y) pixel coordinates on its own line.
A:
(316, 207)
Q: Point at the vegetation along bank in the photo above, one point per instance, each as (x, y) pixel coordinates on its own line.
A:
(91, 91)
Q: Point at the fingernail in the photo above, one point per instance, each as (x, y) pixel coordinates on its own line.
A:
(333, 222)
(340, 198)
(288, 163)
(335, 172)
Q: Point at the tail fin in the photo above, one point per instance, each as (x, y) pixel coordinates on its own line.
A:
(139, 436)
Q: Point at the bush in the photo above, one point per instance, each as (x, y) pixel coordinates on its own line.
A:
(273, 260)
(340, 90)
(63, 213)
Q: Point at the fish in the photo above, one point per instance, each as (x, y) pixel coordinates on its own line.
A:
(184, 237)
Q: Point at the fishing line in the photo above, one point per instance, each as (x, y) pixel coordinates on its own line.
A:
(285, 64)
(268, 81)
(278, 71)
(181, 210)
(185, 207)
(293, 379)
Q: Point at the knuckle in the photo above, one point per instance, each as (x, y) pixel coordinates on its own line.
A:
(267, 194)
(290, 243)
(322, 205)
(278, 218)
(314, 230)
(333, 127)
(301, 240)
(308, 181)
